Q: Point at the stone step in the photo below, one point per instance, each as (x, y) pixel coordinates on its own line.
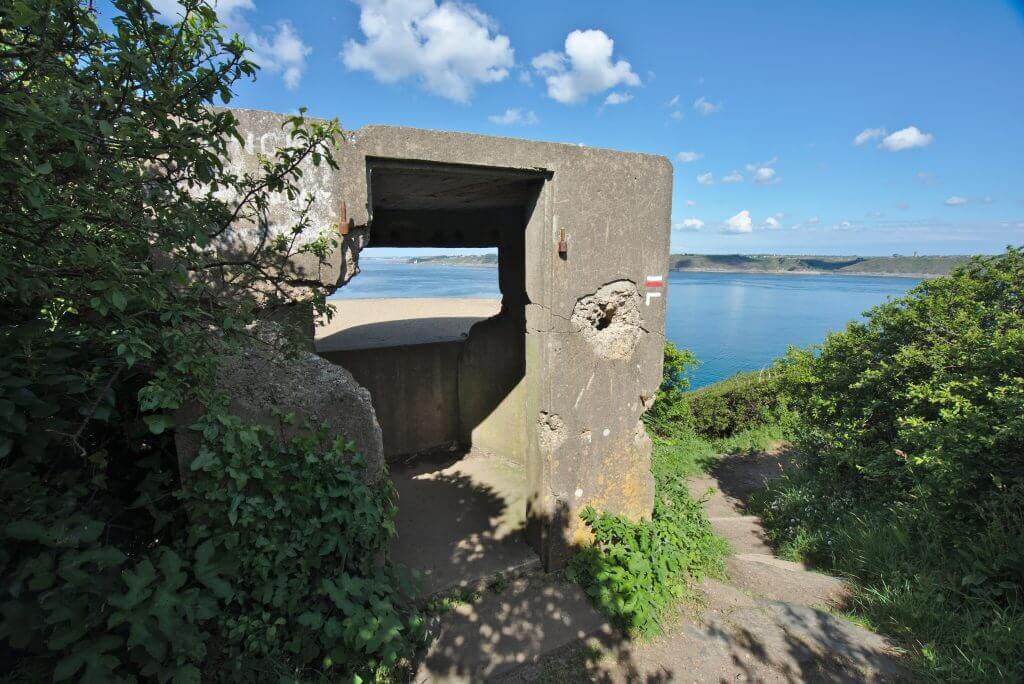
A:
(780, 580)
(716, 503)
(504, 630)
(744, 533)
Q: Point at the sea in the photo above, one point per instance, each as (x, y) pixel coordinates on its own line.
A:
(732, 322)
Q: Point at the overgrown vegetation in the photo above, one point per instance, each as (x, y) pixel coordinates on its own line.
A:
(634, 571)
(736, 404)
(911, 426)
(115, 310)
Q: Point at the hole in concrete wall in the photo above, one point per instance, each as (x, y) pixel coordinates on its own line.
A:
(550, 431)
(610, 319)
(451, 409)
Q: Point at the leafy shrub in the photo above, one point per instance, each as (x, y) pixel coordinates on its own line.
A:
(925, 399)
(114, 312)
(741, 402)
(633, 570)
(912, 423)
(308, 538)
(720, 410)
(670, 410)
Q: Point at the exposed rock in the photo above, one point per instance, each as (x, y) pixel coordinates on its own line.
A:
(550, 431)
(262, 381)
(610, 319)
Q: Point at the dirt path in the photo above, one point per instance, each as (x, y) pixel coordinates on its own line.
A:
(771, 622)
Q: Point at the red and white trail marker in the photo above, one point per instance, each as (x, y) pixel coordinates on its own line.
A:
(653, 282)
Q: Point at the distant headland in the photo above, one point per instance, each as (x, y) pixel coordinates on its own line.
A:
(895, 265)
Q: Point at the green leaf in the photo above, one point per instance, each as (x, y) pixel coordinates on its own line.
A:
(187, 674)
(158, 422)
(26, 530)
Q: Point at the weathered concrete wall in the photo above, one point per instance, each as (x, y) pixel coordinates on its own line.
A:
(262, 134)
(492, 369)
(594, 319)
(414, 390)
(585, 441)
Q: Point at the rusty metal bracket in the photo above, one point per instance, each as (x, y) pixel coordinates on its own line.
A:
(344, 223)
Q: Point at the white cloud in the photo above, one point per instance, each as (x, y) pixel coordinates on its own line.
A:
(814, 220)
(764, 175)
(705, 107)
(690, 224)
(450, 47)
(906, 139)
(868, 134)
(691, 203)
(617, 98)
(549, 61)
(772, 222)
(734, 177)
(687, 157)
(706, 178)
(584, 69)
(740, 223)
(277, 49)
(673, 104)
(512, 117)
(283, 52)
(956, 201)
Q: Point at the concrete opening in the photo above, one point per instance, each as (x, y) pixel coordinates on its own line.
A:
(447, 378)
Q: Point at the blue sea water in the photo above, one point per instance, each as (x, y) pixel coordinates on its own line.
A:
(732, 321)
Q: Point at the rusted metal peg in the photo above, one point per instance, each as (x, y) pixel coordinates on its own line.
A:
(343, 222)
(563, 244)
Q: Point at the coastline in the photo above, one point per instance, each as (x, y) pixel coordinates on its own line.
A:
(917, 276)
(877, 274)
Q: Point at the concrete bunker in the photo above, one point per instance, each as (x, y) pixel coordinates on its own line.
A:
(553, 386)
(449, 397)
(434, 383)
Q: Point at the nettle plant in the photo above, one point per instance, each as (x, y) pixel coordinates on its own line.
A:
(114, 311)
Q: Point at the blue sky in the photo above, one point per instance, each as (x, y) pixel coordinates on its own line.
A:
(759, 105)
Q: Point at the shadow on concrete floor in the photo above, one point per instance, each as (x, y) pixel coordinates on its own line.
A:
(460, 518)
(527, 623)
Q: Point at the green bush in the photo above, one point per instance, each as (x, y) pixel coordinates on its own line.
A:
(670, 411)
(912, 423)
(115, 312)
(307, 537)
(720, 410)
(739, 403)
